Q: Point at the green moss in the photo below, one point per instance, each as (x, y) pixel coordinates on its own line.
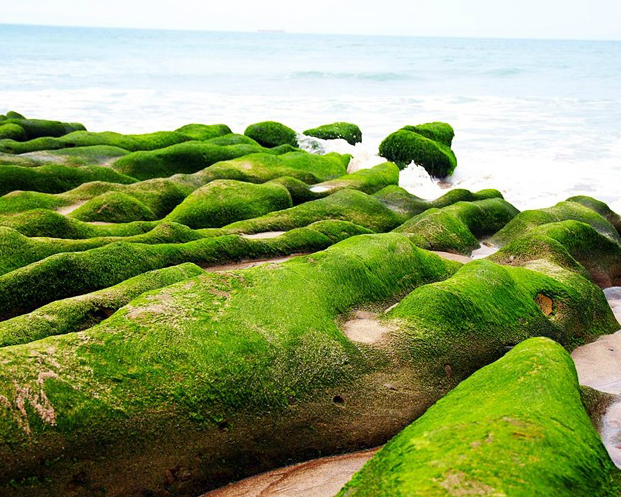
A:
(404, 147)
(271, 134)
(38, 128)
(13, 115)
(499, 433)
(67, 274)
(79, 313)
(55, 178)
(232, 139)
(601, 208)
(300, 192)
(457, 227)
(12, 131)
(133, 143)
(232, 346)
(204, 131)
(346, 131)
(366, 180)
(562, 211)
(222, 202)
(403, 202)
(113, 207)
(437, 131)
(570, 244)
(43, 222)
(184, 158)
(346, 205)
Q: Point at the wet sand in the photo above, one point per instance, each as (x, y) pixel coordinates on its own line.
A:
(70, 208)
(265, 234)
(318, 478)
(365, 327)
(453, 257)
(599, 367)
(486, 249)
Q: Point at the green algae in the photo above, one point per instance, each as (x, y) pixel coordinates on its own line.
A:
(55, 178)
(516, 427)
(223, 202)
(424, 145)
(340, 130)
(79, 313)
(12, 131)
(113, 207)
(366, 180)
(457, 227)
(568, 210)
(345, 205)
(272, 134)
(204, 131)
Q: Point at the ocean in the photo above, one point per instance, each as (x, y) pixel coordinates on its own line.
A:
(536, 119)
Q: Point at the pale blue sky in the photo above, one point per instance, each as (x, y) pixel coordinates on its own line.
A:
(562, 19)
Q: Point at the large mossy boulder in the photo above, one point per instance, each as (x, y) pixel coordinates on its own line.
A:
(425, 145)
(12, 132)
(272, 134)
(458, 227)
(204, 131)
(222, 202)
(344, 131)
(113, 207)
(499, 434)
(366, 180)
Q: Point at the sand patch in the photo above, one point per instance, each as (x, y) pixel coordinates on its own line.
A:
(218, 268)
(599, 367)
(453, 257)
(264, 235)
(365, 327)
(70, 208)
(318, 478)
(319, 188)
(486, 249)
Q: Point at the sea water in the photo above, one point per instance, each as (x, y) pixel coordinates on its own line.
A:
(537, 119)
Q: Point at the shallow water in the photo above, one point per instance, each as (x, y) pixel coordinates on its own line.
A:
(536, 119)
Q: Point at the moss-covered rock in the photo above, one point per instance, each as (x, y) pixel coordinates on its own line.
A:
(272, 134)
(39, 128)
(570, 244)
(345, 205)
(366, 180)
(67, 274)
(568, 210)
(601, 208)
(300, 192)
(12, 131)
(345, 131)
(14, 115)
(232, 139)
(204, 131)
(96, 154)
(133, 143)
(427, 149)
(403, 202)
(223, 202)
(55, 178)
(436, 131)
(230, 368)
(183, 158)
(458, 227)
(113, 207)
(79, 313)
(499, 433)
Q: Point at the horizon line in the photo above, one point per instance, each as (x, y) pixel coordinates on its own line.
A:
(278, 31)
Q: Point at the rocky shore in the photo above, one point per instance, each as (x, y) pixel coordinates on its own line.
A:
(183, 309)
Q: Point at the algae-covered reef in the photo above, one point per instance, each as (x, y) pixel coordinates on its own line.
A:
(516, 427)
(185, 308)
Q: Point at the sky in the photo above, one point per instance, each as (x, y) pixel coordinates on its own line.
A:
(556, 19)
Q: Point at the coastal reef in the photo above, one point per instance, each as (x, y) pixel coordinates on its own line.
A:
(183, 309)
